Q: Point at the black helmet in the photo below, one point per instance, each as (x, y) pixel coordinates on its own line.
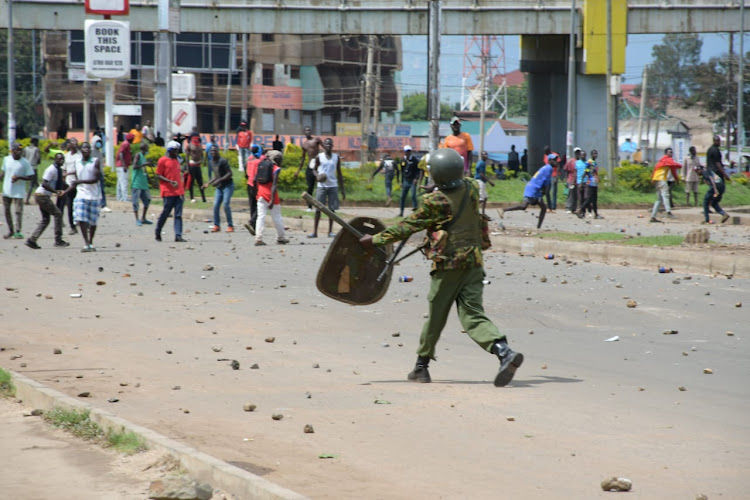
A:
(446, 168)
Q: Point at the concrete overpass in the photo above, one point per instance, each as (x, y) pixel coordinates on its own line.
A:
(388, 17)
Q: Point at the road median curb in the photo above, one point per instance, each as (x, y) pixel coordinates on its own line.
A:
(201, 466)
(681, 260)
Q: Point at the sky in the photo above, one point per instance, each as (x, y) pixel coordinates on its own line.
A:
(638, 55)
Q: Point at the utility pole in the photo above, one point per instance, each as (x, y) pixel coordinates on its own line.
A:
(644, 94)
(43, 61)
(86, 107)
(243, 113)
(11, 78)
(741, 89)
(376, 106)
(228, 105)
(729, 86)
(484, 99)
(364, 141)
(611, 141)
(571, 136)
(433, 71)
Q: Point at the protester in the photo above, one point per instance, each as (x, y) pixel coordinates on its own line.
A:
(251, 170)
(33, 156)
(195, 174)
(570, 181)
(139, 186)
(461, 143)
(52, 183)
(15, 171)
(535, 189)
(591, 187)
(171, 189)
(244, 140)
(691, 166)
(328, 172)
(224, 185)
(388, 166)
(269, 202)
(122, 164)
(480, 175)
(659, 179)
(310, 149)
(410, 178)
(87, 203)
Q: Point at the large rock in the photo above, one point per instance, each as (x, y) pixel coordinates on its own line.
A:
(697, 236)
(179, 488)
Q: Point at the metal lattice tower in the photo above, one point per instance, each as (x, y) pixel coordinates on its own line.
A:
(492, 50)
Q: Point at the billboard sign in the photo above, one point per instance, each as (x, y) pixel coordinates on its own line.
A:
(107, 46)
(108, 7)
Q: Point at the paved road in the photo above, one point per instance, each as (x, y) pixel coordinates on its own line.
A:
(581, 408)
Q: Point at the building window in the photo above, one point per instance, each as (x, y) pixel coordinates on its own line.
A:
(326, 126)
(268, 75)
(294, 116)
(294, 72)
(307, 120)
(267, 37)
(268, 120)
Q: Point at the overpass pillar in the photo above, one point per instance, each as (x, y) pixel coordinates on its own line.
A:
(544, 58)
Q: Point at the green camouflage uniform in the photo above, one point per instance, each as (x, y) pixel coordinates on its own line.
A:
(457, 273)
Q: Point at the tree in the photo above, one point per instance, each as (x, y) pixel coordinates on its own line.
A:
(716, 93)
(27, 118)
(518, 100)
(672, 72)
(415, 108)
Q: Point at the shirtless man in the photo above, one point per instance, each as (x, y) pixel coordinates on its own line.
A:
(310, 148)
(195, 160)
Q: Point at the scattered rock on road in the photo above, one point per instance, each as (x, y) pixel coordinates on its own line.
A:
(632, 304)
(249, 407)
(277, 416)
(617, 484)
(309, 429)
(708, 371)
(179, 488)
(671, 332)
(57, 351)
(697, 237)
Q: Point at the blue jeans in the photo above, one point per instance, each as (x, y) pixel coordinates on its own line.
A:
(224, 195)
(104, 195)
(243, 154)
(552, 195)
(170, 203)
(408, 185)
(389, 183)
(713, 201)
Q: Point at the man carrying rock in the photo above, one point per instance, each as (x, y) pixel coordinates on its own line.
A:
(52, 183)
(172, 190)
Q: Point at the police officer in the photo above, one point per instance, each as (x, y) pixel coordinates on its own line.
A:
(451, 217)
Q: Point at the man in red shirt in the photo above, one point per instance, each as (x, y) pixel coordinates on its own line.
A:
(571, 204)
(122, 164)
(252, 192)
(171, 189)
(244, 139)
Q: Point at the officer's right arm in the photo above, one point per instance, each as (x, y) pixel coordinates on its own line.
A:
(430, 214)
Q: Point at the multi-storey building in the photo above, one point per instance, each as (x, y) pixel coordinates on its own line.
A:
(292, 80)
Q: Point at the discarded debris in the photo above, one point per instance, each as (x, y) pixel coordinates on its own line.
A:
(270, 340)
(670, 332)
(235, 364)
(708, 371)
(617, 484)
(612, 339)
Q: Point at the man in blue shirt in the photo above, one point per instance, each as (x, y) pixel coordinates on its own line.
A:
(480, 175)
(535, 189)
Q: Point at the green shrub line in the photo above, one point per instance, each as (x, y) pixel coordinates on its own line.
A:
(7, 389)
(617, 238)
(79, 424)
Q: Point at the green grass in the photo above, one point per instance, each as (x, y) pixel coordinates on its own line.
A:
(7, 388)
(76, 422)
(79, 424)
(667, 240)
(583, 236)
(126, 442)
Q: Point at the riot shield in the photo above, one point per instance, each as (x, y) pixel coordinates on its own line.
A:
(349, 273)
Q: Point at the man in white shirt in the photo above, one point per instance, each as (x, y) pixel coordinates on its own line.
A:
(87, 203)
(72, 156)
(15, 170)
(327, 169)
(52, 183)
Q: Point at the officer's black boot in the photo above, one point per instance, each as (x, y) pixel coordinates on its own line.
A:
(420, 372)
(510, 360)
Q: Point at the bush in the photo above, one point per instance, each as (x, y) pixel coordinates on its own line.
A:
(635, 177)
(110, 177)
(740, 179)
(524, 176)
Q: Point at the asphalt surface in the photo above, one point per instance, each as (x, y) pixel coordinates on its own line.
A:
(581, 408)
